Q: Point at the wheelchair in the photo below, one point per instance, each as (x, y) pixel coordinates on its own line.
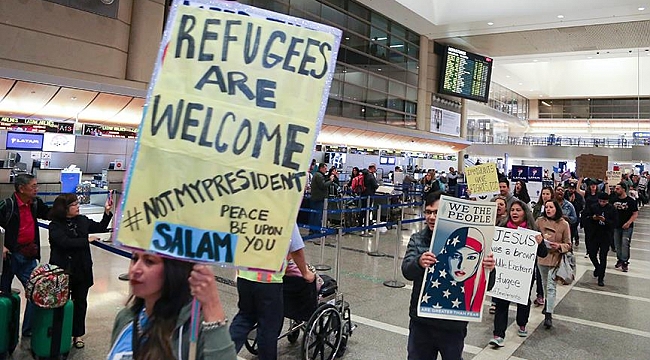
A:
(323, 317)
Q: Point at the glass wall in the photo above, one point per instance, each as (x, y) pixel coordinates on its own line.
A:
(627, 108)
(377, 69)
(508, 101)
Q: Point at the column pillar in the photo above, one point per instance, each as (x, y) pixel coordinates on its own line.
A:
(463, 133)
(144, 38)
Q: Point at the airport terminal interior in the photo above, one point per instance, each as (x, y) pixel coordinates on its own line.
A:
(418, 86)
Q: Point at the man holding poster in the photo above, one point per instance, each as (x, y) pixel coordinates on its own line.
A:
(462, 260)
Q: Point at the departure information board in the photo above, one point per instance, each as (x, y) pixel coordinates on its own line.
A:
(465, 74)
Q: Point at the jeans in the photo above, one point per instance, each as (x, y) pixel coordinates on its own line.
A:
(16, 264)
(622, 239)
(425, 342)
(260, 304)
(548, 280)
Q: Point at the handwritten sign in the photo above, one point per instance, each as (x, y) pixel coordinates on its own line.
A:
(232, 115)
(515, 251)
(454, 287)
(482, 179)
(591, 166)
(614, 175)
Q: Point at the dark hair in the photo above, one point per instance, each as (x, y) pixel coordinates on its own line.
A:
(60, 207)
(355, 171)
(523, 194)
(528, 215)
(624, 185)
(432, 198)
(558, 210)
(504, 179)
(21, 180)
(174, 296)
(539, 201)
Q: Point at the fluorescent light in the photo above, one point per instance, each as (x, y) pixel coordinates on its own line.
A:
(545, 103)
(560, 16)
(641, 8)
(490, 23)
(382, 38)
(397, 46)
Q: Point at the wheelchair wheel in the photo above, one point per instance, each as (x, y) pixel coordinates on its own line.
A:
(323, 334)
(251, 341)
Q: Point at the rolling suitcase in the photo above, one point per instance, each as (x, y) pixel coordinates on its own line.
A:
(52, 332)
(9, 323)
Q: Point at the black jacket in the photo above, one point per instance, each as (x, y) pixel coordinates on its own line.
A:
(411, 269)
(370, 182)
(602, 231)
(69, 247)
(10, 221)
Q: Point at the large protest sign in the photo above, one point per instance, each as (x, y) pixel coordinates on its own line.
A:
(515, 251)
(482, 179)
(232, 115)
(454, 287)
(591, 166)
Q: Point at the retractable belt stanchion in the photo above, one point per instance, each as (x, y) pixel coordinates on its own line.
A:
(366, 232)
(322, 266)
(2, 245)
(394, 283)
(373, 243)
(339, 237)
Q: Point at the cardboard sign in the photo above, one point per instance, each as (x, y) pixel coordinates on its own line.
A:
(591, 166)
(454, 287)
(482, 179)
(515, 251)
(233, 111)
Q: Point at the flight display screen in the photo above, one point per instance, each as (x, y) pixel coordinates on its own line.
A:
(465, 74)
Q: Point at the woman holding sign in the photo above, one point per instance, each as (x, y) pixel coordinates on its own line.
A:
(157, 323)
(519, 216)
(557, 237)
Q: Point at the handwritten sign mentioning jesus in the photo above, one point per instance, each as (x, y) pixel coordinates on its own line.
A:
(482, 179)
(515, 251)
(231, 119)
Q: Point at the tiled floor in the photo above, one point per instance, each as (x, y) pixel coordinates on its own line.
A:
(591, 322)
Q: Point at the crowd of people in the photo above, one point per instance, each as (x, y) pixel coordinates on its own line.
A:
(607, 217)
(155, 324)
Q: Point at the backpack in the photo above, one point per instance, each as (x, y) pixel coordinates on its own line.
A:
(358, 184)
(48, 286)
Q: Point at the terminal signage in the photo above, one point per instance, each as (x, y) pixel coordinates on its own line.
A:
(24, 141)
(35, 125)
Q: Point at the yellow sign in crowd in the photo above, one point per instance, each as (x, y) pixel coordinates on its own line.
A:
(231, 120)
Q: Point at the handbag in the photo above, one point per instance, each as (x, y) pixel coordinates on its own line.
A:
(566, 270)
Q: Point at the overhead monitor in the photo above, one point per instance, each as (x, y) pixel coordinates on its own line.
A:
(24, 141)
(465, 74)
(57, 142)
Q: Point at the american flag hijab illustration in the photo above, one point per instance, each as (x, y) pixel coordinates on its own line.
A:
(454, 281)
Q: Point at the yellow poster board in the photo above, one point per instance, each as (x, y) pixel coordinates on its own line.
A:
(231, 120)
(482, 179)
